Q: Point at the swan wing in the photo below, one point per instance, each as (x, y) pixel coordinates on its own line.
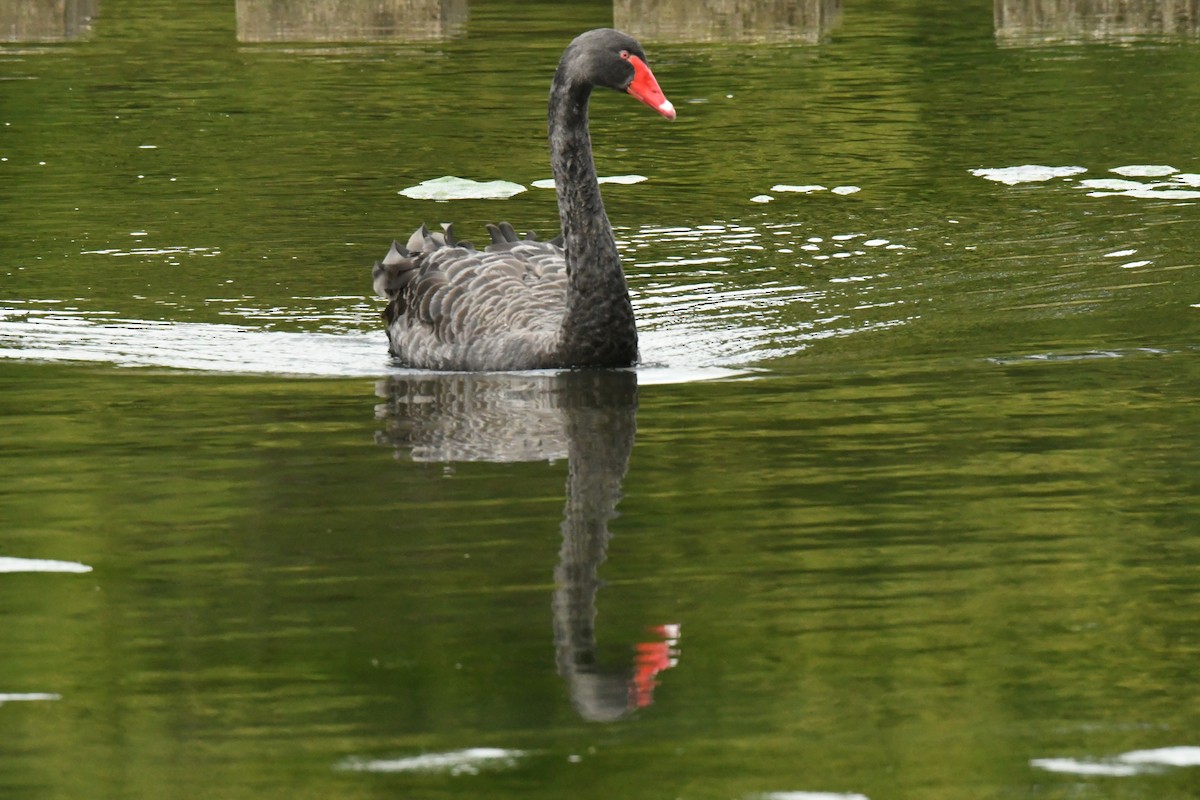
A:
(451, 306)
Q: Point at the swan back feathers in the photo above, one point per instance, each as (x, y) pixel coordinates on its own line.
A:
(451, 306)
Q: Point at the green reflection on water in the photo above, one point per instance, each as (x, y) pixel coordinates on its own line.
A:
(949, 529)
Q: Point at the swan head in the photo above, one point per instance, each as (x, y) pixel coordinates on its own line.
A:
(610, 58)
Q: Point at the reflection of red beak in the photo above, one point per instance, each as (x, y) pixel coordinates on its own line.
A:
(652, 658)
(645, 88)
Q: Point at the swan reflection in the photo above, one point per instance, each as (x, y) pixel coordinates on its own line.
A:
(588, 417)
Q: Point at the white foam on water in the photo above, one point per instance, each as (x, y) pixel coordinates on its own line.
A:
(451, 187)
(1026, 173)
(1135, 762)
(802, 189)
(1144, 170)
(1179, 756)
(11, 564)
(809, 796)
(27, 697)
(623, 180)
(459, 762)
(1074, 766)
(1119, 253)
(761, 198)
(1111, 184)
(846, 189)
(1182, 186)
(1152, 194)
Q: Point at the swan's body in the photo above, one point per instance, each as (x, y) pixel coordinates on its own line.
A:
(523, 303)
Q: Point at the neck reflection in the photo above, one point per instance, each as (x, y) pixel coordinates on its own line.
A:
(588, 416)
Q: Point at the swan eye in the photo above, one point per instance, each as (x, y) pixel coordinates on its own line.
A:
(625, 54)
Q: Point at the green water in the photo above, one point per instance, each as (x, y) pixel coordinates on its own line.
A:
(914, 468)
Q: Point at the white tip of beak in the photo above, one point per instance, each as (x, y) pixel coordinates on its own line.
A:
(667, 110)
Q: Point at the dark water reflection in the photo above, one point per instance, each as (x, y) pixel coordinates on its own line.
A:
(590, 419)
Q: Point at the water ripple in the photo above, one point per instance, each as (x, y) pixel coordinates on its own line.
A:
(459, 762)
(64, 335)
(712, 298)
(735, 294)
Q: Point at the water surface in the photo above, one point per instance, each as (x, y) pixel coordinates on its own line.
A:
(901, 502)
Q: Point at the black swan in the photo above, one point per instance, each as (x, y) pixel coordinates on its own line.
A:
(522, 303)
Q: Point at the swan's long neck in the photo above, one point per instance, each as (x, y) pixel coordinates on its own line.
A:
(599, 322)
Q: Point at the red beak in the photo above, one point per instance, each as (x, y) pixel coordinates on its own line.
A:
(645, 88)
